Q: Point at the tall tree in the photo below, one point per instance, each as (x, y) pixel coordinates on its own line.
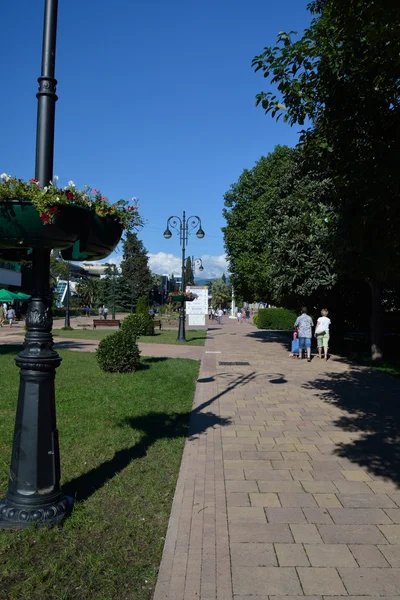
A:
(135, 268)
(221, 293)
(343, 77)
(278, 231)
(189, 276)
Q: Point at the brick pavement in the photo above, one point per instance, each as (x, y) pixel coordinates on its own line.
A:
(289, 479)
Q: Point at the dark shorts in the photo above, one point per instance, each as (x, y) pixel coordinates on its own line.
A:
(304, 343)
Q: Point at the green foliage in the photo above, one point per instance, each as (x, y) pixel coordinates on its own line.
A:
(67, 328)
(221, 293)
(255, 319)
(279, 230)
(275, 318)
(89, 291)
(118, 353)
(135, 270)
(189, 276)
(138, 324)
(142, 308)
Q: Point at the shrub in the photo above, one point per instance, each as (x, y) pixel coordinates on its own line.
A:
(67, 328)
(137, 325)
(255, 318)
(142, 308)
(118, 353)
(275, 318)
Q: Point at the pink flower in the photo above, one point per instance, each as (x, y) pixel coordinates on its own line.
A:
(104, 199)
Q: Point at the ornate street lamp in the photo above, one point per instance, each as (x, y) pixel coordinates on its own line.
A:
(34, 493)
(197, 261)
(183, 226)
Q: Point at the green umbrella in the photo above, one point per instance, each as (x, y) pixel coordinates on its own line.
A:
(7, 296)
(22, 296)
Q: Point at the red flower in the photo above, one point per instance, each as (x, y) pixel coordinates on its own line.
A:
(53, 210)
(69, 194)
(33, 180)
(44, 217)
(104, 198)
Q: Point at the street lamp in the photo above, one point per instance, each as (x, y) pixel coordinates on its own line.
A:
(67, 322)
(197, 261)
(183, 226)
(34, 493)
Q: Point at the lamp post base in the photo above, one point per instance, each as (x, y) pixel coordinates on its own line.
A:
(14, 515)
(181, 331)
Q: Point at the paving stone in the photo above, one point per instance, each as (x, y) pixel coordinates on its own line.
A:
(329, 555)
(371, 581)
(297, 500)
(351, 487)
(264, 500)
(259, 580)
(285, 515)
(280, 486)
(305, 534)
(366, 501)
(317, 515)
(237, 499)
(362, 516)
(356, 476)
(282, 465)
(383, 487)
(392, 555)
(327, 500)
(391, 532)
(370, 556)
(253, 555)
(268, 475)
(352, 534)
(241, 486)
(395, 497)
(291, 555)
(250, 514)
(301, 475)
(321, 581)
(319, 487)
(260, 532)
(393, 514)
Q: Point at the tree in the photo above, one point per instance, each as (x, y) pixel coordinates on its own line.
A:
(342, 77)
(189, 276)
(221, 293)
(89, 291)
(223, 277)
(278, 231)
(135, 268)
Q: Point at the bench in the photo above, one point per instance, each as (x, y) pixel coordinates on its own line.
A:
(106, 323)
(157, 323)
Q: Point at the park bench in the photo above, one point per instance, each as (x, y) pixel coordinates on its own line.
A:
(157, 323)
(106, 323)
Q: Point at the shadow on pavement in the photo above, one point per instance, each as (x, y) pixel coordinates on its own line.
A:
(371, 405)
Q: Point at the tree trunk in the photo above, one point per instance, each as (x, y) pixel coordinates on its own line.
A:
(376, 329)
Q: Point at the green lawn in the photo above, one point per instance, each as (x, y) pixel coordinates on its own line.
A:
(194, 338)
(121, 439)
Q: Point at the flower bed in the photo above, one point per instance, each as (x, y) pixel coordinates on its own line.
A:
(182, 297)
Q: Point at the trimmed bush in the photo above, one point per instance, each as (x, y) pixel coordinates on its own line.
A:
(275, 318)
(142, 307)
(255, 318)
(118, 353)
(137, 325)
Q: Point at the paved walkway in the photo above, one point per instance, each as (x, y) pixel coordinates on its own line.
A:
(289, 483)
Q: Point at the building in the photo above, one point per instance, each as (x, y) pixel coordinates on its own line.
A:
(10, 275)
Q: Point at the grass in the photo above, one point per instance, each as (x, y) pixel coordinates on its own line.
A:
(121, 439)
(194, 338)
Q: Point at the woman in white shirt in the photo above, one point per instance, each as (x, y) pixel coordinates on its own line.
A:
(322, 333)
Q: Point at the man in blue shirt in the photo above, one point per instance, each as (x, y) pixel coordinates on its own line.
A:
(304, 323)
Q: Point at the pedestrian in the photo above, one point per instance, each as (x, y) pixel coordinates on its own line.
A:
(247, 313)
(209, 314)
(152, 313)
(322, 333)
(5, 308)
(239, 316)
(220, 313)
(87, 310)
(100, 311)
(1, 315)
(304, 323)
(213, 313)
(105, 311)
(10, 315)
(295, 346)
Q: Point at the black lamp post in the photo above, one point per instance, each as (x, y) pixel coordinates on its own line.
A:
(183, 226)
(34, 494)
(199, 262)
(67, 322)
(113, 307)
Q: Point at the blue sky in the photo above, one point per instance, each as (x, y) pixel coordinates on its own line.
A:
(156, 100)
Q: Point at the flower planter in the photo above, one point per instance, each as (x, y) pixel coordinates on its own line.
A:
(21, 227)
(180, 298)
(97, 240)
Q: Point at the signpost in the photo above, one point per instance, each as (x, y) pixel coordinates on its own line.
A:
(198, 309)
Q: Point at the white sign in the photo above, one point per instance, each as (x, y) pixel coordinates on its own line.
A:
(199, 306)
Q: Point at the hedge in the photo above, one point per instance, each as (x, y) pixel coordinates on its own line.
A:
(275, 318)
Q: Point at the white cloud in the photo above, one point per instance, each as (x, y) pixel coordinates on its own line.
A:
(163, 262)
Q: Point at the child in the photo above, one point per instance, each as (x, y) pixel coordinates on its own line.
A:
(295, 346)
